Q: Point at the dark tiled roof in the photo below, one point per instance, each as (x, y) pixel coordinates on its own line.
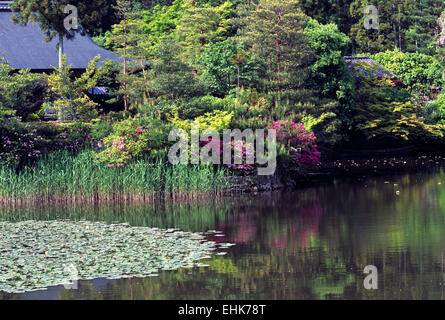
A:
(23, 46)
(4, 5)
(98, 91)
(379, 71)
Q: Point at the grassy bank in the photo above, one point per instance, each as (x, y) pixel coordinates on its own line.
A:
(64, 177)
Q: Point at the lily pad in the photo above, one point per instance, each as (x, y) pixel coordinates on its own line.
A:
(35, 255)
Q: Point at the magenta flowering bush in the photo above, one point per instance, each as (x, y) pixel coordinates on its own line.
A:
(120, 148)
(299, 142)
(73, 138)
(19, 146)
(240, 146)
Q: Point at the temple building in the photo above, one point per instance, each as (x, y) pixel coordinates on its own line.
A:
(24, 47)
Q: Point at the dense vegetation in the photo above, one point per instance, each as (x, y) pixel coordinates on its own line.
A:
(225, 64)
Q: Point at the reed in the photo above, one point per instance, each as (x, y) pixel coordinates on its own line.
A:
(66, 178)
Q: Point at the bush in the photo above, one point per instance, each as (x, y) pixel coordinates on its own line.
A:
(22, 91)
(199, 106)
(217, 120)
(241, 147)
(101, 129)
(435, 112)
(18, 145)
(299, 143)
(133, 138)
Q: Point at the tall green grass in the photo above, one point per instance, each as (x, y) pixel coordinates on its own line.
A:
(66, 177)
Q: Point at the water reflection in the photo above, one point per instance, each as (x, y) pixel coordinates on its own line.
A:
(309, 244)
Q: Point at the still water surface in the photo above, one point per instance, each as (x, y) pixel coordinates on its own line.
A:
(308, 244)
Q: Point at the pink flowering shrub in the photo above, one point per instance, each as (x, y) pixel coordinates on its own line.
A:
(130, 139)
(241, 146)
(298, 142)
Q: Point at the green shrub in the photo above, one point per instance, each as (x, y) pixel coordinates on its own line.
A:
(132, 138)
(101, 129)
(217, 120)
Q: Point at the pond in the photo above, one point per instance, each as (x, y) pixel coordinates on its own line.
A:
(313, 243)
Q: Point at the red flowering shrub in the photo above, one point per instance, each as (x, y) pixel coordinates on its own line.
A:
(299, 142)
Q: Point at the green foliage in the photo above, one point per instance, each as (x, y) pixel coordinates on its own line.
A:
(403, 25)
(226, 65)
(250, 109)
(132, 138)
(435, 112)
(50, 15)
(70, 98)
(101, 129)
(201, 25)
(170, 77)
(418, 71)
(383, 121)
(329, 11)
(21, 93)
(274, 31)
(329, 73)
(160, 22)
(198, 106)
(218, 120)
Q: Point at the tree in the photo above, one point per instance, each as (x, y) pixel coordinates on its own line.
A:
(274, 30)
(123, 9)
(384, 116)
(329, 11)
(201, 25)
(70, 92)
(159, 23)
(22, 92)
(170, 77)
(424, 27)
(329, 74)
(51, 17)
(129, 41)
(419, 71)
(224, 63)
(440, 47)
(405, 25)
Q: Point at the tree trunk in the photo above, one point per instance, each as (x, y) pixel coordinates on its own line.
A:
(277, 42)
(73, 110)
(124, 85)
(61, 112)
(394, 27)
(147, 91)
(61, 50)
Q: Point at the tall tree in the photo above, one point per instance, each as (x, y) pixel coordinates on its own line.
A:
(201, 25)
(123, 8)
(50, 15)
(329, 11)
(329, 73)
(424, 25)
(405, 25)
(274, 29)
(440, 48)
(70, 92)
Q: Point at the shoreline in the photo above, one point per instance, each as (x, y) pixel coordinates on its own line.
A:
(254, 185)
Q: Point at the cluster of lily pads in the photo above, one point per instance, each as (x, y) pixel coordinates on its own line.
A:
(35, 255)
